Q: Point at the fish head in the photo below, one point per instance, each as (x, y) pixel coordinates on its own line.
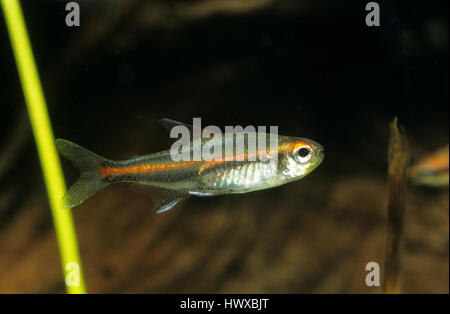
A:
(432, 170)
(299, 156)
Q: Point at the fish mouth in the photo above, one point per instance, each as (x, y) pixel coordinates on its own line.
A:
(319, 150)
(320, 153)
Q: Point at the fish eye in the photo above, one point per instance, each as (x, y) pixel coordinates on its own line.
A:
(303, 152)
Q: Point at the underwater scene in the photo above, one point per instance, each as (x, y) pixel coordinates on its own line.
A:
(224, 147)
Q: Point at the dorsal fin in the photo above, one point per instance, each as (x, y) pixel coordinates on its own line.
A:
(168, 124)
(130, 155)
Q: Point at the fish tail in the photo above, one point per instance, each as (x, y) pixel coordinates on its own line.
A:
(89, 165)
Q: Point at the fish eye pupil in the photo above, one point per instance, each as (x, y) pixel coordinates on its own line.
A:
(303, 152)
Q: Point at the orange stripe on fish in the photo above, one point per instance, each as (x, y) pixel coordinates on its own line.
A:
(241, 157)
(289, 146)
(106, 171)
(293, 145)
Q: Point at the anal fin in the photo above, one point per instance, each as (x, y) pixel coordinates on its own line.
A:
(165, 199)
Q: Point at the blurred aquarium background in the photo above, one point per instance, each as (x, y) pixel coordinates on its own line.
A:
(312, 67)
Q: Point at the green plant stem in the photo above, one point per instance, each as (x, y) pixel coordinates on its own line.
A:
(51, 167)
(398, 157)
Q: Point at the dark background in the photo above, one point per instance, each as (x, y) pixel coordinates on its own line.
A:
(311, 67)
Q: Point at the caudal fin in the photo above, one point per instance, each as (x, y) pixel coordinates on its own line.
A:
(89, 165)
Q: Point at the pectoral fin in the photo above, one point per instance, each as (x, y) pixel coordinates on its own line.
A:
(164, 199)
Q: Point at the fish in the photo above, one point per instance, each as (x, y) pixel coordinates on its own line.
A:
(432, 170)
(169, 182)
